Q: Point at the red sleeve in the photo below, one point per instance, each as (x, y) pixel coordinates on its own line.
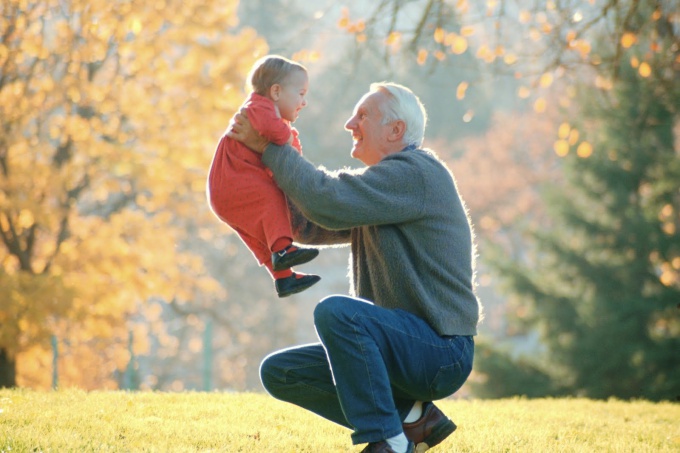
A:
(262, 115)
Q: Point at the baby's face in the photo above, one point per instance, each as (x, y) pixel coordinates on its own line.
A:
(292, 95)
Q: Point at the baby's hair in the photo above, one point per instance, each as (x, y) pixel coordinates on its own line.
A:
(270, 70)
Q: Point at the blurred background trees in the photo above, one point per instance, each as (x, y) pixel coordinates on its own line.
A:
(559, 120)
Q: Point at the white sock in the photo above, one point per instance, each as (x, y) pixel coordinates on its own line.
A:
(398, 443)
(416, 412)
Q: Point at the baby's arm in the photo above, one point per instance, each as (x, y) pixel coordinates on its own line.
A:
(264, 119)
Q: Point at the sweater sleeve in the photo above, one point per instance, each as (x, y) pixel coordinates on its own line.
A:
(389, 192)
(307, 232)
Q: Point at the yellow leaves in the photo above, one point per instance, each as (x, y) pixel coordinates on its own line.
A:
(524, 16)
(356, 28)
(343, 22)
(645, 69)
(461, 89)
(582, 47)
(523, 92)
(467, 31)
(568, 137)
(459, 45)
(306, 55)
(561, 148)
(540, 105)
(134, 25)
(563, 130)
(584, 150)
(604, 83)
(668, 276)
(486, 54)
(25, 220)
(628, 39)
(510, 59)
(422, 57)
(439, 35)
(573, 136)
(546, 80)
(393, 40)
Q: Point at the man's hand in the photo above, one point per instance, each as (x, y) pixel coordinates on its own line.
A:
(240, 129)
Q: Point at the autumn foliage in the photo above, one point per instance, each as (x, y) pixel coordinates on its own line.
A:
(109, 112)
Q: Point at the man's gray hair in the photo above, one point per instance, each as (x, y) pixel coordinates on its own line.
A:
(403, 104)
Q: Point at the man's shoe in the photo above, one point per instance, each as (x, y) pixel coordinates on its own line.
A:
(292, 285)
(285, 259)
(430, 430)
(384, 447)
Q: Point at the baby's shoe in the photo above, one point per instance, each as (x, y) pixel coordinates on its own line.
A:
(294, 284)
(292, 256)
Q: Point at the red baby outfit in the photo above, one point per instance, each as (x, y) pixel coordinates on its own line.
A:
(241, 190)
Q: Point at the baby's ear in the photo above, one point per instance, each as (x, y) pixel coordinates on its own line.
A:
(275, 91)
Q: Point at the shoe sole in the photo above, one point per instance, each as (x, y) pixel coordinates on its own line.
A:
(301, 258)
(437, 436)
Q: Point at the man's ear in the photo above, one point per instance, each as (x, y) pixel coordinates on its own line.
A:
(397, 131)
(275, 91)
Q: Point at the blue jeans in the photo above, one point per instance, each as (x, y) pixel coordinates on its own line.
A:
(371, 366)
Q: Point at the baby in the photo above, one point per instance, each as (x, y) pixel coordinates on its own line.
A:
(241, 190)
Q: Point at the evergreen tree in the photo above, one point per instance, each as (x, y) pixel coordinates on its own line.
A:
(603, 283)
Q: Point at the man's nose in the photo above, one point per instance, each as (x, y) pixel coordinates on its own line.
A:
(349, 125)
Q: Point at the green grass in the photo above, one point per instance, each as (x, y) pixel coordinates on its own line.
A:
(78, 421)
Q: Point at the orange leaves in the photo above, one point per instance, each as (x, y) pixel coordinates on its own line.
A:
(628, 39)
(116, 150)
(422, 57)
(461, 89)
(357, 28)
(306, 55)
(645, 69)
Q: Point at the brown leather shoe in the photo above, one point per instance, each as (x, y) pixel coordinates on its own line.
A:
(384, 447)
(430, 430)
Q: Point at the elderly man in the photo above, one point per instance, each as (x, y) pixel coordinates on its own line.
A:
(405, 336)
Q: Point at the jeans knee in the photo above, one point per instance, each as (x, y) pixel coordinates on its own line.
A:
(329, 310)
(272, 374)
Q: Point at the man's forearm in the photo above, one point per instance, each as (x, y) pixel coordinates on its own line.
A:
(308, 232)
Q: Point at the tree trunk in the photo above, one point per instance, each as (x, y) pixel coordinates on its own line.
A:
(8, 370)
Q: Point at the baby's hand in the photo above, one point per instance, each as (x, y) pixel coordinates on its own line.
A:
(290, 139)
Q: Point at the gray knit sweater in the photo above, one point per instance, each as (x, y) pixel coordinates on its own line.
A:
(410, 235)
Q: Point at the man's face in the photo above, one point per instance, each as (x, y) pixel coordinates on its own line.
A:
(369, 134)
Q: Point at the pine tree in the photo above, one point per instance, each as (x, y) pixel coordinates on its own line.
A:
(603, 284)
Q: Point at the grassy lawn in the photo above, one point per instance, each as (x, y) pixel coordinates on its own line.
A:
(78, 421)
